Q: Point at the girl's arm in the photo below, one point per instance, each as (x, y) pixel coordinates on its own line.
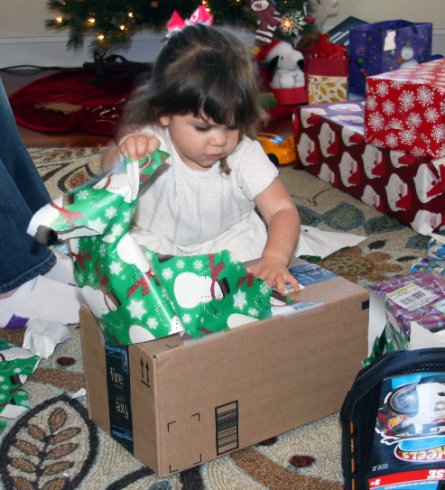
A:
(283, 221)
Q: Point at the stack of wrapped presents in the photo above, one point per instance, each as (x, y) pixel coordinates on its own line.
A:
(387, 148)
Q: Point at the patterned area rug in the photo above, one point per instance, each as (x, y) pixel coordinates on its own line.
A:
(55, 446)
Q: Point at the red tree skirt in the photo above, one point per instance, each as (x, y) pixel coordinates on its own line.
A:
(72, 101)
(80, 100)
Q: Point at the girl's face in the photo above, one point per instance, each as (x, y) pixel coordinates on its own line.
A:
(199, 141)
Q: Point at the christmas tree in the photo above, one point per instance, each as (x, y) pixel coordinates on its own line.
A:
(112, 23)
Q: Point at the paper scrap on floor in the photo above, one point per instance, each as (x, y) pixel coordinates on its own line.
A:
(320, 243)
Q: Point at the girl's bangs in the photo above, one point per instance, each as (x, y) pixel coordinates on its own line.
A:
(229, 110)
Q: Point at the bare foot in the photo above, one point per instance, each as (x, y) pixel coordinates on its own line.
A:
(6, 295)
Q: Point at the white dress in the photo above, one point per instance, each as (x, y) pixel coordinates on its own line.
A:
(182, 211)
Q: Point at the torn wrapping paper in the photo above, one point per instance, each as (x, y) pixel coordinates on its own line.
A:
(319, 243)
(211, 292)
(135, 294)
(435, 259)
(26, 303)
(41, 337)
(16, 364)
(383, 336)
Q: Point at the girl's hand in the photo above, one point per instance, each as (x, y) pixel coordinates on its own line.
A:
(275, 273)
(138, 145)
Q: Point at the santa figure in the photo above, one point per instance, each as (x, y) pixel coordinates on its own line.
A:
(269, 20)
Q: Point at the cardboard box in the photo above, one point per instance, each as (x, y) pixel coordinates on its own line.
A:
(177, 405)
(405, 109)
(331, 145)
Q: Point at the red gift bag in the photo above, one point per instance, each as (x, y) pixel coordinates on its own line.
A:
(326, 67)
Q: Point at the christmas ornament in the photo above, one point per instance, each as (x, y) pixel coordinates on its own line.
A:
(295, 21)
(269, 20)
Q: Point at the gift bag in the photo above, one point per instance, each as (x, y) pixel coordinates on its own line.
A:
(386, 46)
(326, 68)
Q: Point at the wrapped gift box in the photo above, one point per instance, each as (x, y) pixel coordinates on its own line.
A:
(405, 109)
(331, 145)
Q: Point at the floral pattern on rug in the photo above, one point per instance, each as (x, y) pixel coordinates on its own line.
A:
(64, 169)
(353, 264)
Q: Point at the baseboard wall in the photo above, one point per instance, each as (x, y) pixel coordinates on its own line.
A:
(51, 51)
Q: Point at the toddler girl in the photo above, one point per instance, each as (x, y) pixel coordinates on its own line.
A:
(201, 106)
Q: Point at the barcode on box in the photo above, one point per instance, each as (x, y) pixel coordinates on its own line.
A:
(412, 297)
(226, 421)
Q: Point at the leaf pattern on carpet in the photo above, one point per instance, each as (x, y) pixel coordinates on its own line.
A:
(53, 446)
(62, 379)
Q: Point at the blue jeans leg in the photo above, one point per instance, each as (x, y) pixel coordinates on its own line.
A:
(22, 193)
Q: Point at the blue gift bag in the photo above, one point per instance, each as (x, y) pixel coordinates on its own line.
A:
(386, 46)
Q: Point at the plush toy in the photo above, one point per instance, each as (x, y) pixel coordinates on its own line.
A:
(284, 62)
(322, 9)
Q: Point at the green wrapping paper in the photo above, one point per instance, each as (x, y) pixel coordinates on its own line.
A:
(16, 364)
(212, 292)
(135, 294)
(390, 340)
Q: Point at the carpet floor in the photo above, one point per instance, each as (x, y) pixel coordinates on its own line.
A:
(308, 457)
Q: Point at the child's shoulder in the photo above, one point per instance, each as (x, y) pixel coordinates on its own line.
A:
(247, 145)
(249, 161)
(248, 150)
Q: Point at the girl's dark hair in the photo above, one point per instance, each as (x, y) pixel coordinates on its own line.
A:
(204, 71)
